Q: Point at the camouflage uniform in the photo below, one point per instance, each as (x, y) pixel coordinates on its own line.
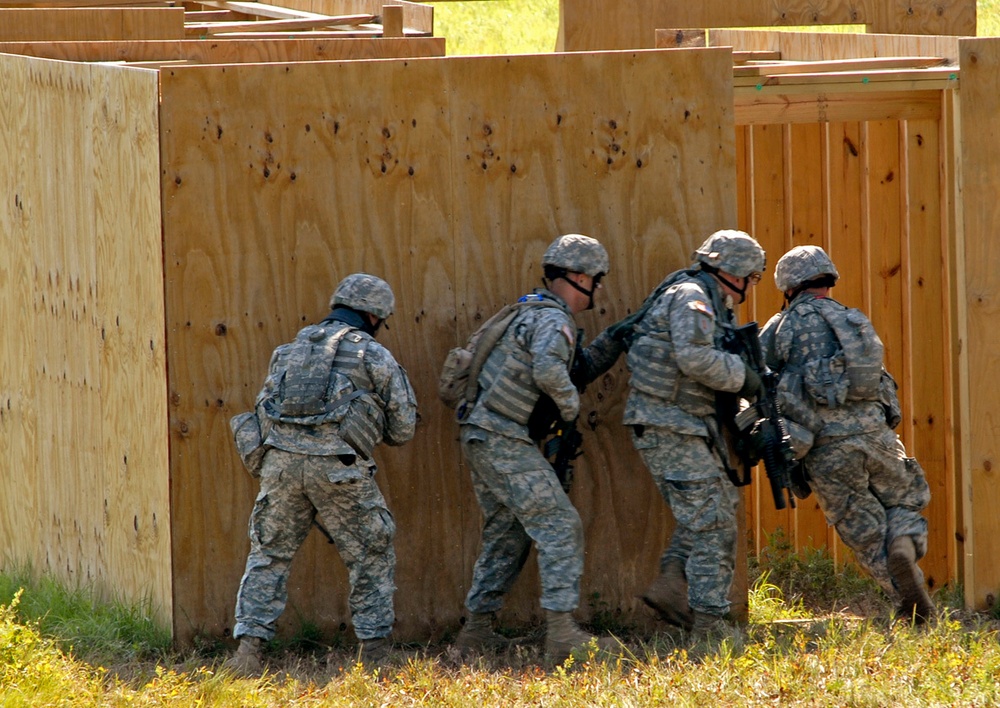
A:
(517, 489)
(677, 365)
(867, 487)
(311, 472)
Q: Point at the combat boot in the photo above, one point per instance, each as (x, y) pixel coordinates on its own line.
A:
(668, 595)
(376, 651)
(563, 636)
(915, 602)
(246, 661)
(707, 626)
(478, 634)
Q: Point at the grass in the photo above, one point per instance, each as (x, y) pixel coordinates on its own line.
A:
(817, 635)
(530, 26)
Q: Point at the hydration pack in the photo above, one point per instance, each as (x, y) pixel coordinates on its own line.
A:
(458, 384)
(854, 371)
(303, 386)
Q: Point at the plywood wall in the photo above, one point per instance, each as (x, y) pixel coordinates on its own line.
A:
(604, 24)
(83, 424)
(979, 155)
(448, 177)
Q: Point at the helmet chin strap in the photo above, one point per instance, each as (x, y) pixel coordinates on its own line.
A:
(576, 286)
(732, 286)
(580, 288)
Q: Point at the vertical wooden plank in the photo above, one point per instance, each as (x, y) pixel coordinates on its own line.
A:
(884, 210)
(806, 174)
(978, 288)
(929, 337)
(767, 223)
(89, 503)
(848, 238)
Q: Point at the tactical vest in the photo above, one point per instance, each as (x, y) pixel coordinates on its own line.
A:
(653, 365)
(836, 352)
(319, 379)
(506, 380)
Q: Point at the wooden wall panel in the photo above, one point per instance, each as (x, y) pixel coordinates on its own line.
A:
(231, 51)
(74, 24)
(454, 204)
(979, 251)
(873, 195)
(82, 383)
(586, 25)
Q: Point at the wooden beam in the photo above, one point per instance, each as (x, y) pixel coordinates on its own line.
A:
(768, 68)
(758, 108)
(392, 21)
(850, 81)
(283, 26)
(232, 51)
(259, 9)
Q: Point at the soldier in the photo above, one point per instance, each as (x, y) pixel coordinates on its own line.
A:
(678, 364)
(834, 385)
(517, 489)
(328, 399)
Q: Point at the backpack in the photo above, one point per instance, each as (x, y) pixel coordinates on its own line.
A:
(854, 372)
(303, 386)
(458, 384)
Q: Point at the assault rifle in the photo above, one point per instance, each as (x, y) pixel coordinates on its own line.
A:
(761, 426)
(562, 440)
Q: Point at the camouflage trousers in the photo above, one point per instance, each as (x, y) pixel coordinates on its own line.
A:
(703, 502)
(295, 489)
(522, 501)
(872, 493)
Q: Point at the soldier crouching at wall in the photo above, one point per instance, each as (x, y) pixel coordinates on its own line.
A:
(834, 385)
(518, 491)
(329, 397)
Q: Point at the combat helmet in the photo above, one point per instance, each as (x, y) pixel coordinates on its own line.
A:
(801, 265)
(577, 253)
(732, 251)
(365, 293)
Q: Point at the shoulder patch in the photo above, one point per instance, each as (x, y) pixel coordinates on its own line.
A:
(570, 335)
(702, 307)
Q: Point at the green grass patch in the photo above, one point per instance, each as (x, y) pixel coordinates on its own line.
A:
(97, 631)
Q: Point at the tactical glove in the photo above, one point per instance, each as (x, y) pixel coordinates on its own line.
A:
(752, 385)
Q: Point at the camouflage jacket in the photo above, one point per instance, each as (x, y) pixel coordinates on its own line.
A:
(677, 360)
(391, 390)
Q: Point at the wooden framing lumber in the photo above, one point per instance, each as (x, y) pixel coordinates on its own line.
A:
(274, 26)
(771, 68)
(765, 108)
(231, 51)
